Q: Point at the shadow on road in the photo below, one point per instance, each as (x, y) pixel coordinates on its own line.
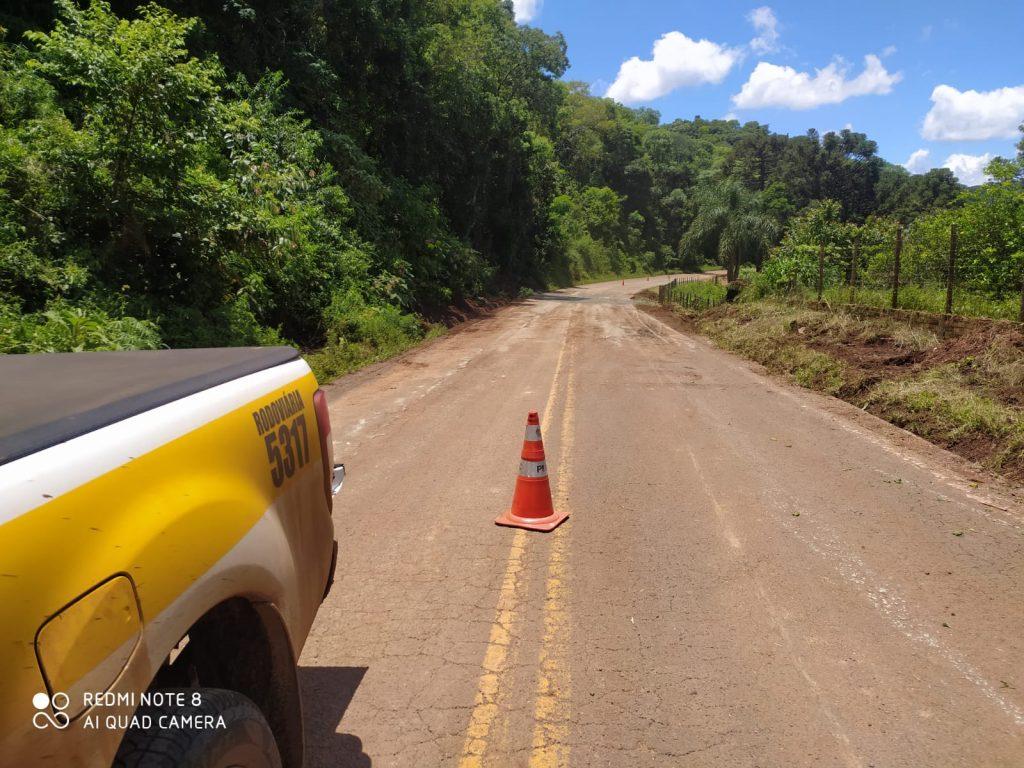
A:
(557, 297)
(326, 694)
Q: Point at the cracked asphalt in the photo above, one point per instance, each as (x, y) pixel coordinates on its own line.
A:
(751, 574)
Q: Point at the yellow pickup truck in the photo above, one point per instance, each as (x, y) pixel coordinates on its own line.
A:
(165, 543)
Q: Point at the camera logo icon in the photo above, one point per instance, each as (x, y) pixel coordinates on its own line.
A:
(43, 718)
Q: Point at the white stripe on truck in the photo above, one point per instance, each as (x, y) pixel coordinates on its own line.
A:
(63, 467)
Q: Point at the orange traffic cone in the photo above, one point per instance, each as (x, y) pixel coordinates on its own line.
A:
(531, 502)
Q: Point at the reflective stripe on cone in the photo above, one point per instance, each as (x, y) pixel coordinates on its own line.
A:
(533, 468)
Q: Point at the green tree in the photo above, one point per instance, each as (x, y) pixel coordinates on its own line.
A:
(159, 190)
(907, 196)
(729, 223)
(815, 245)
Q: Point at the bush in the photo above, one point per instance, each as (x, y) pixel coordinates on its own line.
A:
(133, 172)
(359, 333)
(63, 328)
(349, 319)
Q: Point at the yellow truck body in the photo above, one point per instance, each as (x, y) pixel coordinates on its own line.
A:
(185, 530)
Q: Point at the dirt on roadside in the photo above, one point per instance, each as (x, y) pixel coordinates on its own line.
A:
(964, 393)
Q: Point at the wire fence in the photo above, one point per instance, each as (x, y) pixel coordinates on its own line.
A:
(935, 274)
(910, 270)
(693, 292)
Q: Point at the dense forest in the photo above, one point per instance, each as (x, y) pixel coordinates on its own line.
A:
(330, 173)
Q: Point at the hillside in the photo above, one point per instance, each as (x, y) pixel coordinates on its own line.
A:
(331, 174)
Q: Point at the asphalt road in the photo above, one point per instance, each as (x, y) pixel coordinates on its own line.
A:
(751, 575)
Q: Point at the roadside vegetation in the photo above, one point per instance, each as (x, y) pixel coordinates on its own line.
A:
(921, 298)
(702, 293)
(973, 248)
(797, 312)
(964, 392)
(342, 175)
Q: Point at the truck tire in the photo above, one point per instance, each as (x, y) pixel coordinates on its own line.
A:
(245, 740)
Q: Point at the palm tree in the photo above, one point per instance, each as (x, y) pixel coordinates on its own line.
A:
(729, 222)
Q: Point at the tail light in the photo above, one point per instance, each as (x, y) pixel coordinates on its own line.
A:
(323, 424)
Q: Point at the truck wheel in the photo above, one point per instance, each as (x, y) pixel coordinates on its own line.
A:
(244, 741)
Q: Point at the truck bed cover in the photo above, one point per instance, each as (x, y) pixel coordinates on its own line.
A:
(50, 398)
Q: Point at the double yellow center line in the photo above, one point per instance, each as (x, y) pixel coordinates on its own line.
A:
(549, 747)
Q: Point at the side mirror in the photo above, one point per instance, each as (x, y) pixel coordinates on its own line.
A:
(337, 478)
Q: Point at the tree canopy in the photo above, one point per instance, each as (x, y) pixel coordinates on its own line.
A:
(255, 170)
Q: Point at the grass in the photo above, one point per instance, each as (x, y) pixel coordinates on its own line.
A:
(360, 333)
(609, 277)
(940, 405)
(763, 336)
(971, 405)
(705, 291)
(925, 299)
(343, 357)
(944, 408)
(1001, 362)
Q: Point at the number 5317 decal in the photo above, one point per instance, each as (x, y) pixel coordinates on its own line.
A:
(287, 449)
(282, 424)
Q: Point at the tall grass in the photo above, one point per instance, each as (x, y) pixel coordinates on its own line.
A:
(762, 334)
(912, 297)
(929, 299)
(704, 290)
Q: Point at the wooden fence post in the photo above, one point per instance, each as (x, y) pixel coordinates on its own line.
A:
(1020, 316)
(853, 270)
(896, 268)
(821, 270)
(951, 269)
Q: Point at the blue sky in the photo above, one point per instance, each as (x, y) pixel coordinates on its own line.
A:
(940, 82)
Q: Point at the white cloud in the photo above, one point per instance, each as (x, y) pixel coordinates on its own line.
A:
(973, 115)
(526, 10)
(918, 161)
(889, 51)
(970, 169)
(767, 26)
(771, 85)
(676, 61)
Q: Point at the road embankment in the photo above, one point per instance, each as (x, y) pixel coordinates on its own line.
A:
(380, 334)
(964, 393)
